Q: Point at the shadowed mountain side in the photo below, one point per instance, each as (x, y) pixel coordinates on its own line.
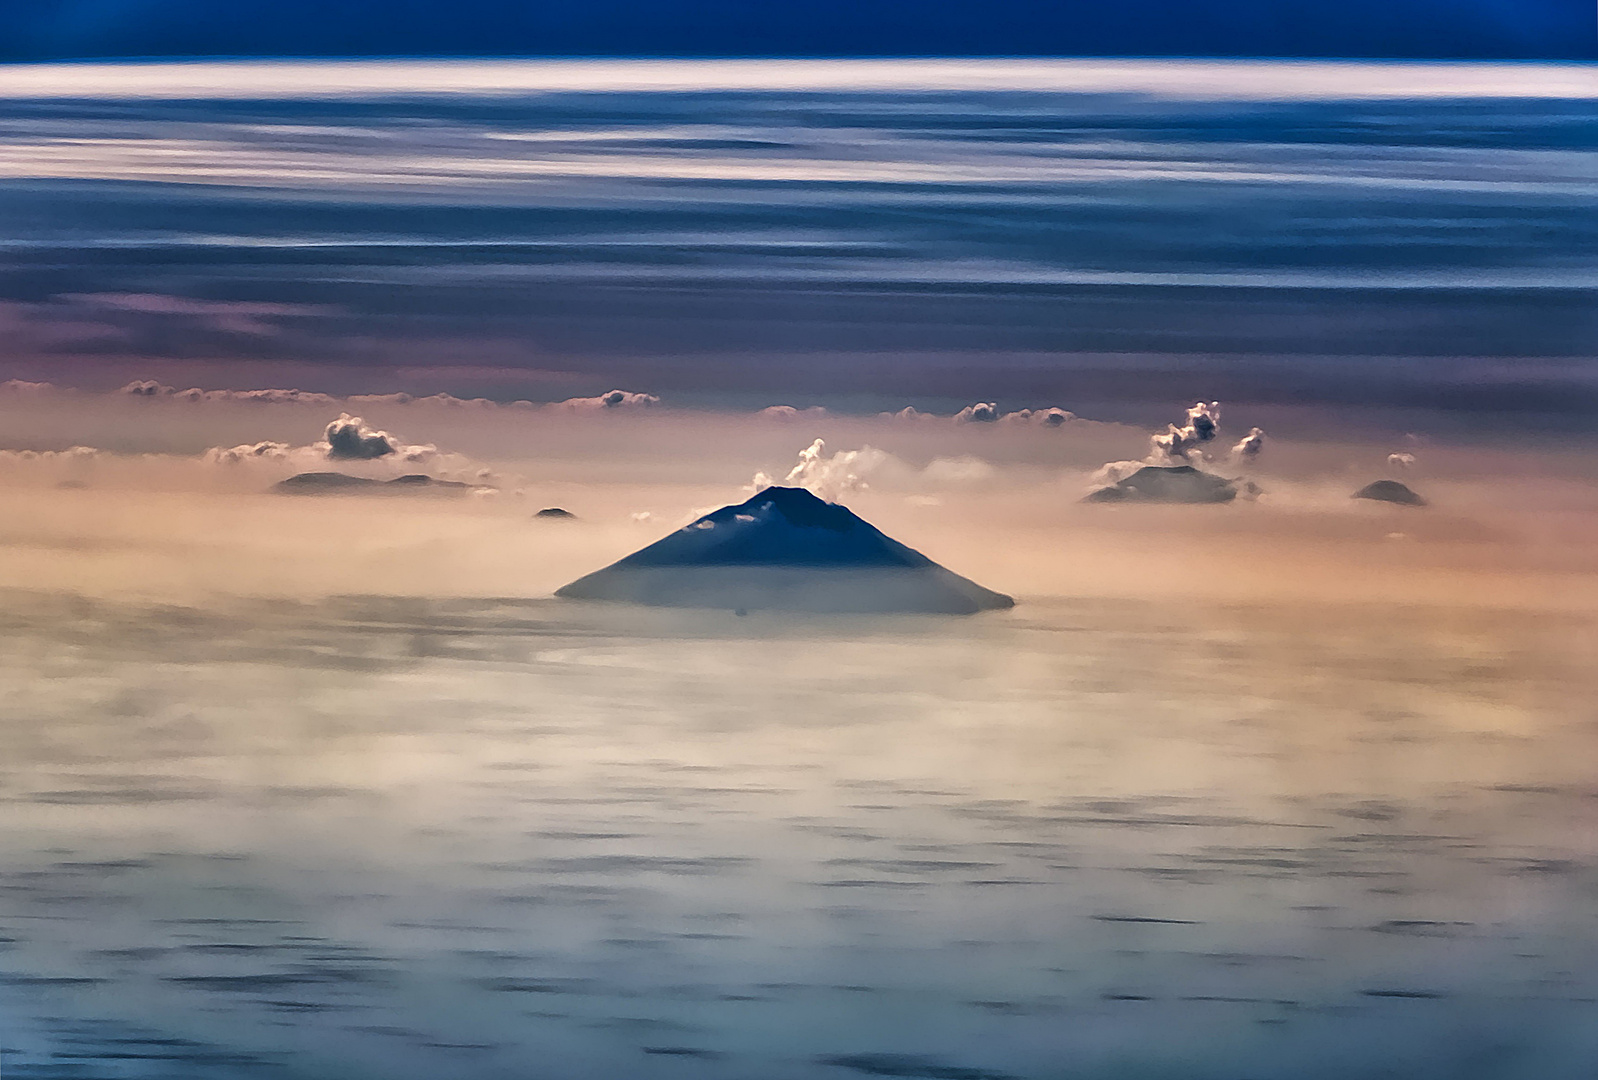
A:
(1390, 491)
(785, 549)
(332, 483)
(1168, 484)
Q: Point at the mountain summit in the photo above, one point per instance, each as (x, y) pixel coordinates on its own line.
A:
(787, 550)
(1168, 484)
(1389, 491)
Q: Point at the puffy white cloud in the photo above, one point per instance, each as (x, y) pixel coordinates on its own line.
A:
(1180, 444)
(983, 412)
(1400, 462)
(908, 414)
(349, 439)
(987, 412)
(832, 476)
(1185, 446)
(837, 475)
(147, 388)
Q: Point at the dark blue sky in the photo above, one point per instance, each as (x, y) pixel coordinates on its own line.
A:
(1532, 29)
(855, 248)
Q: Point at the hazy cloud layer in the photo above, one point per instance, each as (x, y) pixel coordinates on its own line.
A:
(150, 388)
(994, 500)
(790, 412)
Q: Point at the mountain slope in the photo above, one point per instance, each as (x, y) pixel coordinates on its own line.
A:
(1168, 484)
(785, 549)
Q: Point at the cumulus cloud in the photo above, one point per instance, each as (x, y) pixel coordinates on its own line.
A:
(831, 476)
(614, 399)
(987, 412)
(837, 475)
(1400, 462)
(1249, 446)
(982, 412)
(1181, 444)
(235, 455)
(1185, 445)
(346, 439)
(1052, 417)
(349, 439)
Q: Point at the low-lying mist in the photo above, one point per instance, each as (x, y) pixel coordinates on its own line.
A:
(165, 495)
